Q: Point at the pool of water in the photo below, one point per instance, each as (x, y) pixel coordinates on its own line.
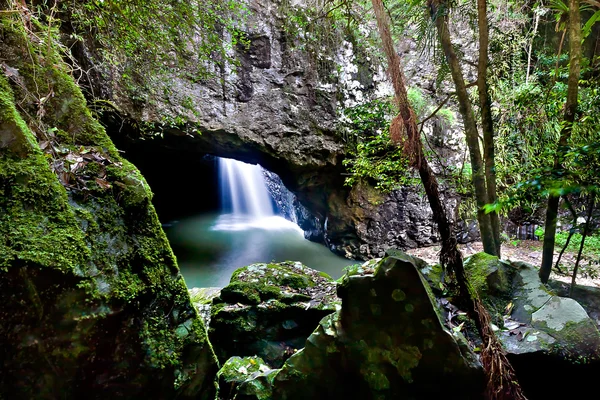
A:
(210, 247)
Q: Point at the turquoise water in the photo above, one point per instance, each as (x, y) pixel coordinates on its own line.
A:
(210, 247)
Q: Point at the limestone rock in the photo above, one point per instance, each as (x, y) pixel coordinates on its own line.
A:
(269, 310)
(386, 342)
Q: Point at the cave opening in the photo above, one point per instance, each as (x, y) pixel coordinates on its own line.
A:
(209, 238)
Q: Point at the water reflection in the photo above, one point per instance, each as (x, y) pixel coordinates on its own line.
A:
(210, 247)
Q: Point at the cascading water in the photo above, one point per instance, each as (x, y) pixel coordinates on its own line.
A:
(243, 189)
(245, 200)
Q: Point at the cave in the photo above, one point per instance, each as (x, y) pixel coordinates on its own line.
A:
(209, 237)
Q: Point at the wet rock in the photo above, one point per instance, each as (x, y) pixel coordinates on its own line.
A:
(248, 378)
(269, 310)
(386, 342)
(202, 299)
(93, 305)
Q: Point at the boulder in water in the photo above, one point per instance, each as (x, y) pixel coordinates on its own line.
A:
(269, 310)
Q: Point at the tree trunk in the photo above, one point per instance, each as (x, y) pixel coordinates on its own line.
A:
(565, 134)
(501, 380)
(586, 232)
(487, 123)
(438, 9)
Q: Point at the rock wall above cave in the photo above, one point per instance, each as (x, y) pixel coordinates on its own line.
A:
(277, 103)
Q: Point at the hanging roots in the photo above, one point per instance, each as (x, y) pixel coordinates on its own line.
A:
(500, 376)
(397, 131)
(501, 380)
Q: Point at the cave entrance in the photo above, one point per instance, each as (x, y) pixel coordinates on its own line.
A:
(222, 214)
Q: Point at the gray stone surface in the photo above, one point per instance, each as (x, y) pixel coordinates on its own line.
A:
(387, 342)
(280, 107)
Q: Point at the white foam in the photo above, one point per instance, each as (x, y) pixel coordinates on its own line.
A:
(234, 222)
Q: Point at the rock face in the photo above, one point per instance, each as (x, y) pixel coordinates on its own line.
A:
(280, 107)
(269, 310)
(386, 342)
(93, 305)
(401, 219)
(290, 208)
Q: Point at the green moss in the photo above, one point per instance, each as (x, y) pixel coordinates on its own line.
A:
(240, 369)
(36, 223)
(271, 278)
(351, 270)
(489, 278)
(101, 249)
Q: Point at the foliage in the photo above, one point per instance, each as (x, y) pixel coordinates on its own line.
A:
(417, 101)
(372, 155)
(144, 36)
(529, 117)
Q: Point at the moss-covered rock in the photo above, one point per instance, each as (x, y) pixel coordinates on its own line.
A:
(93, 303)
(269, 310)
(488, 274)
(537, 327)
(386, 342)
(245, 379)
(202, 299)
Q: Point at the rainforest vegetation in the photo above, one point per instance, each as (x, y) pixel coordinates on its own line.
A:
(382, 126)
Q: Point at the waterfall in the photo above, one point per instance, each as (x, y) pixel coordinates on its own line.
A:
(243, 189)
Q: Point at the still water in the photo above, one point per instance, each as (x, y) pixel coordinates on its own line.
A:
(210, 247)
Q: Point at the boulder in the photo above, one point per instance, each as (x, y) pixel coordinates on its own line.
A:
(269, 310)
(537, 327)
(93, 305)
(248, 378)
(553, 325)
(386, 342)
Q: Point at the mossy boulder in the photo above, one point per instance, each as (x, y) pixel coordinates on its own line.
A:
(93, 305)
(248, 378)
(537, 327)
(386, 342)
(488, 275)
(548, 324)
(269, 310)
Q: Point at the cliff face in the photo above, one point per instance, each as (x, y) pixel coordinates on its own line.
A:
(93, 302)
(277, 102)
